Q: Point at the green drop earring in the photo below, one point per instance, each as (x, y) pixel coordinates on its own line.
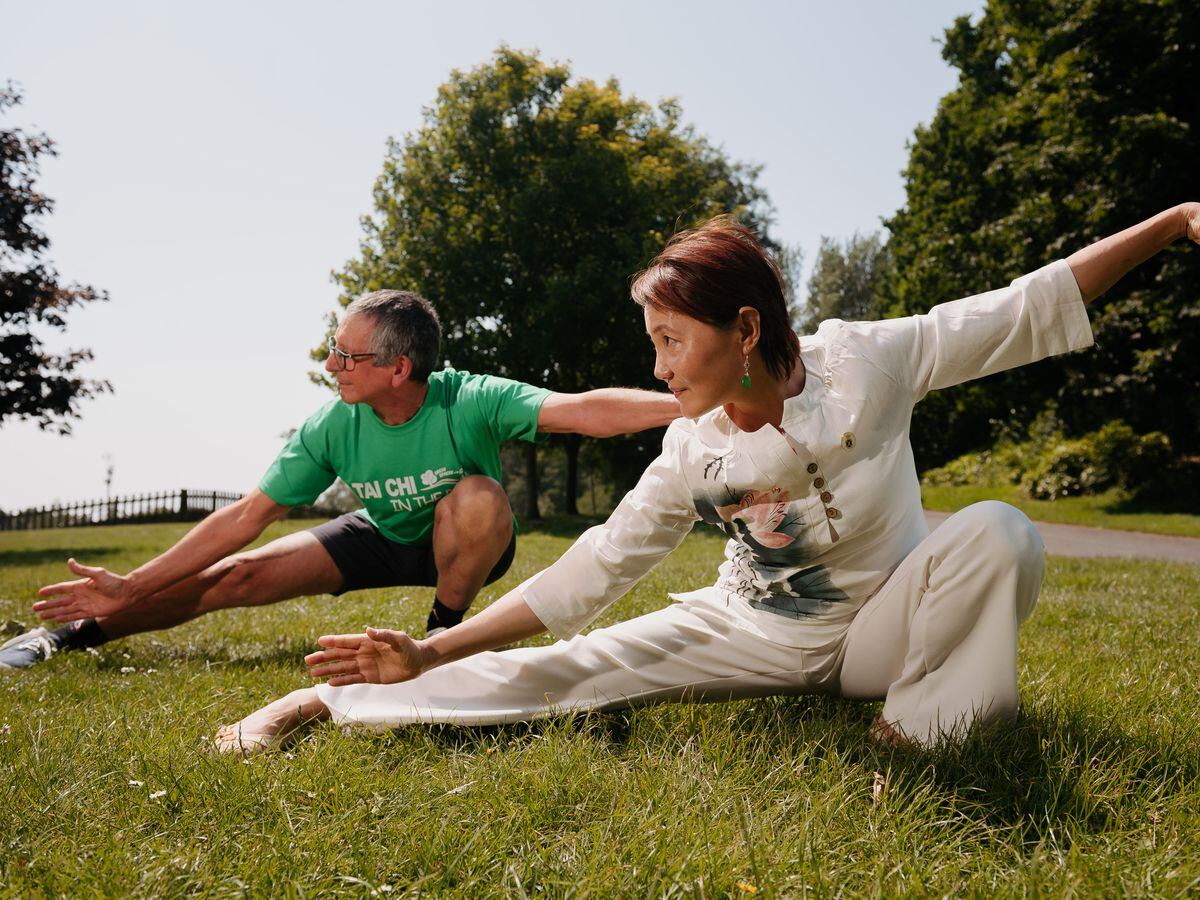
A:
(746, 376)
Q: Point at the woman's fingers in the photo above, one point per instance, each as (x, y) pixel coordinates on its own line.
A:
(350, 641)
(321, 656)
(341, 667)
(346, 679)
(393, 639)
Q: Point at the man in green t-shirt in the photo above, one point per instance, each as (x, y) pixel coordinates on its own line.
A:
(421, 449)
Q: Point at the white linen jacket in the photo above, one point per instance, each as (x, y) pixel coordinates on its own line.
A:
(820, 515)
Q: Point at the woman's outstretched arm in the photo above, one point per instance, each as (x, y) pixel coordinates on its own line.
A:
(604, 563)
(383, 656)
(1101, 265)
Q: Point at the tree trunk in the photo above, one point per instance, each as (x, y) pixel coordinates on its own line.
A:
(532, 513)
(572, 443)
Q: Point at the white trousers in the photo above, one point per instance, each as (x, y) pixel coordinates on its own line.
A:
(937, 643)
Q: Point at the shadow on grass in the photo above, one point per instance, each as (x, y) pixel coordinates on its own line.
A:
(1181, 503)
(219, 655)
(41, 556)
(1051, 775)
(1174, 492)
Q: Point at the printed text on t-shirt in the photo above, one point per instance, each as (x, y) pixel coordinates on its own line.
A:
(403, 490)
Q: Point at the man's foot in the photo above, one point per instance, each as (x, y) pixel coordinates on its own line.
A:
(26, 649)
(430, 632)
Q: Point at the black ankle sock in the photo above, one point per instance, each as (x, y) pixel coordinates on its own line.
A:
(80, 635)
(442, 616)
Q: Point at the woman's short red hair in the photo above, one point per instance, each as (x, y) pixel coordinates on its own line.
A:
(710, 273)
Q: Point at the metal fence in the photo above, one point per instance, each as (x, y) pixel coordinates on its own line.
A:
(183, 505)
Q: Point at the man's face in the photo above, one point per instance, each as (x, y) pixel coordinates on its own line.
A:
(366, 381)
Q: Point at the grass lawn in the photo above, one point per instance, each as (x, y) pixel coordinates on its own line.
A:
(108, 788)
(1111, 509)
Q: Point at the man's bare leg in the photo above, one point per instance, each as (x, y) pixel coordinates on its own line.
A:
(291, 566)
(472, 527)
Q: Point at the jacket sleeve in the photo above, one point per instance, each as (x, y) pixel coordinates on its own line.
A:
(1039, 315)
(607, 560)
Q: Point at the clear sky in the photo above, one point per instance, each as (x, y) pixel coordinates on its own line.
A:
(215, 159)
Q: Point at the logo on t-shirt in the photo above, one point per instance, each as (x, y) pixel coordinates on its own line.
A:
(403, 492)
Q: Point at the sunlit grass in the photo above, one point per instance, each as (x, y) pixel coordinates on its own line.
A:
(1112, 509)
(108, 787)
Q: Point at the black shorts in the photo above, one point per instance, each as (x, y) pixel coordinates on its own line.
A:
(367, 559)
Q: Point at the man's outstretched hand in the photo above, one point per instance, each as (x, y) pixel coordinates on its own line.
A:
(380, 656)
(98, 593)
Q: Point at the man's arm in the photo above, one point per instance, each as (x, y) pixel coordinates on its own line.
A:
(607, 411)
(100, 592)
(1102, 264)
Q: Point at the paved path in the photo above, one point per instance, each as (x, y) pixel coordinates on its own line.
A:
(1081, 540)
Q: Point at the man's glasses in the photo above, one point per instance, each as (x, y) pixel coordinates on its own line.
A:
(343, 361)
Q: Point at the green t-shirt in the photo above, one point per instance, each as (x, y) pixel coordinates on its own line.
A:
(400, 471)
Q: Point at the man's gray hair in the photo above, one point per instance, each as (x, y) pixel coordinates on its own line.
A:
(405, 325)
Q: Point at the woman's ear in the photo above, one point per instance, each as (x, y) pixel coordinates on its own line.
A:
(749, 328)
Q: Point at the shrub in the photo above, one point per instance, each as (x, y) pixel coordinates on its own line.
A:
(1048, 464)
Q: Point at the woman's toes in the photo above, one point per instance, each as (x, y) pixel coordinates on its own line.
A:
(226, 740)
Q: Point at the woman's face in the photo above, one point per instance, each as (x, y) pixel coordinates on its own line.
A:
(701, 364)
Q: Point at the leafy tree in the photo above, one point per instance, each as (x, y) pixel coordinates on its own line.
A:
(847, 280)
(1072, 119)
(520, 209)
(34, 383)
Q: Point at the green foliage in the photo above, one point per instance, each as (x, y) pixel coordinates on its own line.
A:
(847, 280)
(1072, 119)
(1050, 465)
(34, 383)
(523, 205)
(109, 789)
(521, 208)
(1113, 456)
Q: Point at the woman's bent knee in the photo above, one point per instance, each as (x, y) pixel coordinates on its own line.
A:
(1009, 534)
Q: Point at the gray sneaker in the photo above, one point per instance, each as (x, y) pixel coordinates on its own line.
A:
(26, 649)
(432, 631)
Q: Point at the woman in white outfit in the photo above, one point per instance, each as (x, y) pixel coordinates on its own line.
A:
(798, 449)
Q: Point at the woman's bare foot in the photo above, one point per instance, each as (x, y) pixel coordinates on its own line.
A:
(884, 732)
(271, 726)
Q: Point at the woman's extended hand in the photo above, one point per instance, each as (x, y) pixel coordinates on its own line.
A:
(380, 656)
(99, 593)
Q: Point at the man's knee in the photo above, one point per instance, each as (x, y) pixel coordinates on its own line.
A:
(475, 502)
(242, 582)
